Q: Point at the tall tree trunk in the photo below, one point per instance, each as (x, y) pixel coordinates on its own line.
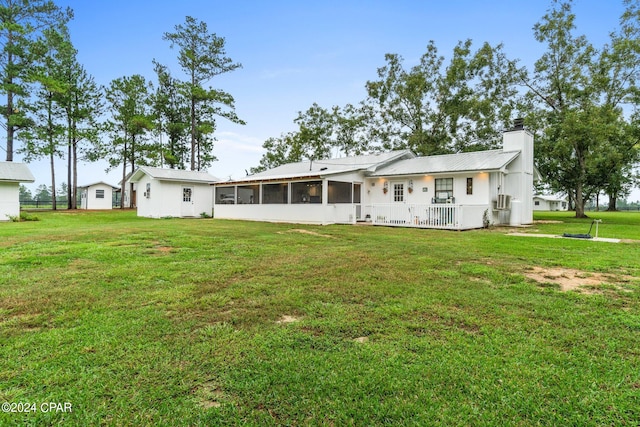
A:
(10, 128)
(124, 177)
(53, 181)
(580, 202)
(69, 154)
(74, 196)
(613, 202)
(193, 133)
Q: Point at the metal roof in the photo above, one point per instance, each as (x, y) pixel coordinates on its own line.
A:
(98, 183)
(549, 198)
(489, 160)
(321, 168)
(15, 172)
(163, 174)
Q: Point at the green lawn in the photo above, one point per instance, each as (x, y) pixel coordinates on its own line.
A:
(208, 322)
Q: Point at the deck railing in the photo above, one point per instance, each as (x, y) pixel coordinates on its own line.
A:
(444, 216)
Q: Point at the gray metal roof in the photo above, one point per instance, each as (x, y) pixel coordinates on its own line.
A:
(489, 160)
(163, 174)
(15, 172)
(321, 168)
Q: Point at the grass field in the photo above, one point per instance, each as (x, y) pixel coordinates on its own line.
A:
(134, 321)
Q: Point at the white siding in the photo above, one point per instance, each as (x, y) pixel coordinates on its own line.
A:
(9, 200)
(165, 199)
(90, 201)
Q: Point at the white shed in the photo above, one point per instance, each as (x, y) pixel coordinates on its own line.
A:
(172, 192)
(98, 195)
(11, 175)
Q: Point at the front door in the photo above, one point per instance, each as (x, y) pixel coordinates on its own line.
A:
(188, 208)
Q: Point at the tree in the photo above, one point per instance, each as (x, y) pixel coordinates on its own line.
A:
(202, 57)
(576, 95)
(433, 109)
(130, 104)
(25, 193)
(313, 140)
(43, 193)
(172, 116)
(83, 104)
(45, 134)
(21, 23)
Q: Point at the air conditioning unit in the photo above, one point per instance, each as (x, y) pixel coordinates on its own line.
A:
(503, 202)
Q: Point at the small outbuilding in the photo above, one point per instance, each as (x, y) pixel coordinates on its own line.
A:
(172, 192)
(98, 195)
(11, 176)
(549, 203)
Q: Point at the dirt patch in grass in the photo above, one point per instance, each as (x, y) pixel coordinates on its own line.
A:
(303, 231)
(575, 280)
(287, 319)
(547, 221)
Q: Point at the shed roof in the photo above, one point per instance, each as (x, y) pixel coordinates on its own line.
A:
(327, 167)
(98, 183)
(177, 175)
(15, 172)
(489, 160)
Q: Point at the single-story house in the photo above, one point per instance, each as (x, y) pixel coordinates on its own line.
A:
(549, 203)
(172, 192)
(455, 191)
(98, 195)
(11, 175)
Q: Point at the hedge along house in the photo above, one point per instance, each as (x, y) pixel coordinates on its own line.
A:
(11, 176)
(172, 192)
(455, 191)
(98, 195)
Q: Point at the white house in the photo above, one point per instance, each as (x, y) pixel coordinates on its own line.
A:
(98, 195)
(549, 203)
(11, 175)
(172, 192)
(456, 191)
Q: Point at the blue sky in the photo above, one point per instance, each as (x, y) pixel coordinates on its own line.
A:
(295, 53)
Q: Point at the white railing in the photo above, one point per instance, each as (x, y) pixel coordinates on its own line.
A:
(444, 216)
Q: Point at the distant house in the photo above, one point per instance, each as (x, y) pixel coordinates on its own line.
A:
(98, 195)
(11, 175)
(172, 192)
(549, 203)
(456, 191)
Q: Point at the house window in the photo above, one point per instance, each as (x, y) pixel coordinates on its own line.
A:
(99, 194)
(275, 193)
(225, 195)
(339, 192)
(398, 192)
(249, 194)
(306, 192)
(186, 194)
(469, 185)
(537, 202)
(444, 189)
